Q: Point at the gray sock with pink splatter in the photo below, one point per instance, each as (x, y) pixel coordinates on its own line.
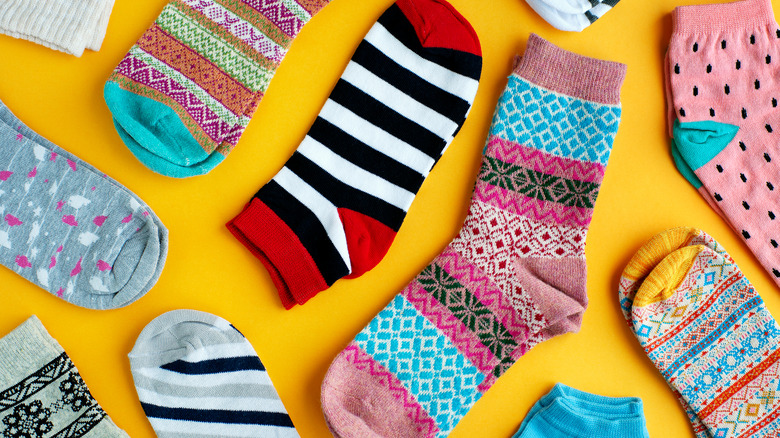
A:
(69, 228)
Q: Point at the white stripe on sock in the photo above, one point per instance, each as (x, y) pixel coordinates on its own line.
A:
(398, 101)
(255, 404)
(323, 209)
(219, 351)
(221, 429)
(377, 138)
(355, 176)
(449, 81)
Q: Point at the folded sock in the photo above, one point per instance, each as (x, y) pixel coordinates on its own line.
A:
(68, 26)
(183, 95)
(69, 228)
(565, 412)
(337, 204)
(42, 392)
(560, 17)
(513, 277)
(197, 376)
(709, 334)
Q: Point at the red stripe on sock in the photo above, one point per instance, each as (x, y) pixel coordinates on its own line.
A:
(292, 269)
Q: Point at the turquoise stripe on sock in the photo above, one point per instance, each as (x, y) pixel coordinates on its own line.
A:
(554, 123)
(405, 342)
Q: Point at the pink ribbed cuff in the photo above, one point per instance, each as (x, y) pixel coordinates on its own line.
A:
(723, 17)
(551, 67)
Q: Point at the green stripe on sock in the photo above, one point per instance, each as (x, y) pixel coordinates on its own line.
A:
(297, 9)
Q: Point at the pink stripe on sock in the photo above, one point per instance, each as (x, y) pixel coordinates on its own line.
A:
(464, 339)
(532, 208)
(363, 361)
(532, 158)
(240, 28)
(276, 13)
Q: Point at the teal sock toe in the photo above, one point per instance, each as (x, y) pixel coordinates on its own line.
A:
(155, 134)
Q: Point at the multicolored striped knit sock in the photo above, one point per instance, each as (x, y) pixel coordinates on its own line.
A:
(513, 277)
(571, 15)
(709, 334)
(185, 92)
(337, 204)
(197, 376)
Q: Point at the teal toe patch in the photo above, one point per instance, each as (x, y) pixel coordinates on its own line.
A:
(699, 142)
(156, 135)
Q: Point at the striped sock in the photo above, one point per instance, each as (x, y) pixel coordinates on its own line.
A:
(566, 16)
(197, 376)
(335, 207)
(185, 92)
(708, 332)
(513, 277)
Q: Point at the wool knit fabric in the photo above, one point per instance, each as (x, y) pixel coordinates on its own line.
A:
(69, 26)
(572, 15)
(707, 331)
(197, 376)
(721, 65)
(335, 207)
(184, 93)
(513, 277)
(69, 228)
(42, 394)
(565, 412)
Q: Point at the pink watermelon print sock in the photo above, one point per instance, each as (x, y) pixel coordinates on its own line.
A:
(69, 228)
(513, 277)
(707, 331)
(721, 63)
(185, 92)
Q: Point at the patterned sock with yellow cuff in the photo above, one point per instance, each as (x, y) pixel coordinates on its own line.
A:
(707, 331)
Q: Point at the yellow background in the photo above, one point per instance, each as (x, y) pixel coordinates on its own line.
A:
(60, 96)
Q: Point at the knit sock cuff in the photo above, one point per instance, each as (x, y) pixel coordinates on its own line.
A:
(27, 348)
(559, 70)
(65, 26)
(723, 17)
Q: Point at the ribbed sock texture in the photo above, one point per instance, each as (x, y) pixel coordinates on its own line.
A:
(514, 276)
(707, 331)
(335, 207)
(571, 15)
(69, 228)
(565, 412)
(67, 26)
(183, 95)
(197, 375)
(41, 391)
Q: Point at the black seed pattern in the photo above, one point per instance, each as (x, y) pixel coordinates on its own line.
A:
(768, 128)
(752, 39)
(768, 59)
(776, 272)
(769, 185)
(677, 69)
(745, 205)
(742, 146)
(745, 234)
(773, 242)
(727, 89)
(709, 68)
(777, 32)
(757, 84)
(718, 197)
(744, 113)
(743, 177)
(682, 112)
(720, 168)
(767, 157)
(695, 47)
(712, 112)
(771, 215)
(774, 103)
(739, 64)
(695, 90)
(723, 43)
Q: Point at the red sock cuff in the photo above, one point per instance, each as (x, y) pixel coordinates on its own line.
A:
(438, 24)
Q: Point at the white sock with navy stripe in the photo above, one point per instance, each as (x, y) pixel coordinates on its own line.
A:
(571, 15)
(197, 376)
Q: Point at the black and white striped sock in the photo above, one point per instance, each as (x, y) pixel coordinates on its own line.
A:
(335, 207)
(197, 376)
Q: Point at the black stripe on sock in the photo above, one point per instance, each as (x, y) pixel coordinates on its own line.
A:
(211, 366)
(381, 116)
(218, 415)
(611, 3)
(307, 227)
(444, 103)
(464, 63)
(344, 195)
(592, 18)
(365, 157)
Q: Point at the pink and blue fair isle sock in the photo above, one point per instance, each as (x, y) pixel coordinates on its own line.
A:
(185, 92)
(514, 276)
(69, 228)
(708, 332)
